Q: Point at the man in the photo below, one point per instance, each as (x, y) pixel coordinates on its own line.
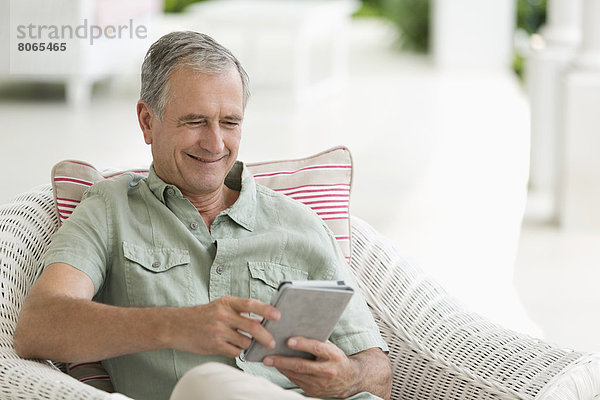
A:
(157, 275)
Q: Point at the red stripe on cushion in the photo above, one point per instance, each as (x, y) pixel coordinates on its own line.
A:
(96, 378)
(72, 180)
(344, 202)
(333, 218)
(326, 186)
(341, 193)
(72, 366)
(303, 169)
(343, 190)
(333, 212)
(66, 205)
(342, 238)
(315, 195)
(322, 195)
(65, 211)
(328, 207)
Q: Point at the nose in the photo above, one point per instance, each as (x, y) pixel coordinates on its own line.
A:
(212, 140)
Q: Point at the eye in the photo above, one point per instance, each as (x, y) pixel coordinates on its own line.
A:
(194, 123)
(230, 124)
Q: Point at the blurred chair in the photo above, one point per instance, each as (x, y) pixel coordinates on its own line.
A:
(83, 59)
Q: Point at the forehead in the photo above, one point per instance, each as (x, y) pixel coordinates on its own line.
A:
(187, 86)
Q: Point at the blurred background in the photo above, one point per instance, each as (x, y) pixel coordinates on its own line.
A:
(474, 124)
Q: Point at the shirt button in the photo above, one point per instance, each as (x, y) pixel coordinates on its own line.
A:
(156, 264)
(194, 225)
(220, 269)
(171, 191)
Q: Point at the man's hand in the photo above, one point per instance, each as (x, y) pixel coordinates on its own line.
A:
(330, 375)
(333, 374)
(215, 328)
(60, 306)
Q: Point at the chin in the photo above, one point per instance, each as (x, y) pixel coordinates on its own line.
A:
(205, 186)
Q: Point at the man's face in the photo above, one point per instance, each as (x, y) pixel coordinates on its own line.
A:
(196, 143)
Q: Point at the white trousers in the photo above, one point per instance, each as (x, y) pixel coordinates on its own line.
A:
(219, 381)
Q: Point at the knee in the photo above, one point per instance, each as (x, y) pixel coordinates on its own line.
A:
(201, 381)
(210, 369)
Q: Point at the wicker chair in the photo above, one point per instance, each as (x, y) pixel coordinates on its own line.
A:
(438, 349)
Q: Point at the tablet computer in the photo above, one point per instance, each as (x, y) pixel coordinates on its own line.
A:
(309, 309)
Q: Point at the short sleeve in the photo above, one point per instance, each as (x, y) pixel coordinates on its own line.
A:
(82, 241)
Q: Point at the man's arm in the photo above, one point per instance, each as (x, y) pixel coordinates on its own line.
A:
(59, 321)
(333, 374)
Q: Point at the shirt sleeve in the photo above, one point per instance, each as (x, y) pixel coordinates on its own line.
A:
(82, 240)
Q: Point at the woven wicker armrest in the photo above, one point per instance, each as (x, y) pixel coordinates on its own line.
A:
(26, 225)
(441, 351)
(29, 379)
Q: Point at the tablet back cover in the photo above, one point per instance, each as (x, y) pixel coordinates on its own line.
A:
(307, 312)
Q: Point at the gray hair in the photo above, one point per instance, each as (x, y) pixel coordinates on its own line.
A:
(183, 49)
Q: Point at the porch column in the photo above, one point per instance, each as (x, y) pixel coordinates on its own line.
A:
(550, 55)
(473, 33)
(563, 22)
(579, 188)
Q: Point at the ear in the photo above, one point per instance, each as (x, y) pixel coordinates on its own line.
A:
(146, 119)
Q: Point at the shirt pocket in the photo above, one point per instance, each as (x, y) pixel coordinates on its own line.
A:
(157, 276)
(265, 278)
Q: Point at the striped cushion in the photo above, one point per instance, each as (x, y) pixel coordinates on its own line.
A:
(92, 373)
(71, 178)
(322, 182)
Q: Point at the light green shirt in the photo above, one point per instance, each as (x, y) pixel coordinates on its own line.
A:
(143, 244)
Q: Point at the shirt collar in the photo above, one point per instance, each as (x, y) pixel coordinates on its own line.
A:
(243, 211)
(160, 187)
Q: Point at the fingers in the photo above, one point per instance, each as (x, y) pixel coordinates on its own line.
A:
(257, 331)
(293, 365)
(231, 338)
(230, 350)
(267, 311)
(250, 325)
(323, 352)
(251, 318)
(221, 326)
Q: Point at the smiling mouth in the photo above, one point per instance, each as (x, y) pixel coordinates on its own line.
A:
(204, 160)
